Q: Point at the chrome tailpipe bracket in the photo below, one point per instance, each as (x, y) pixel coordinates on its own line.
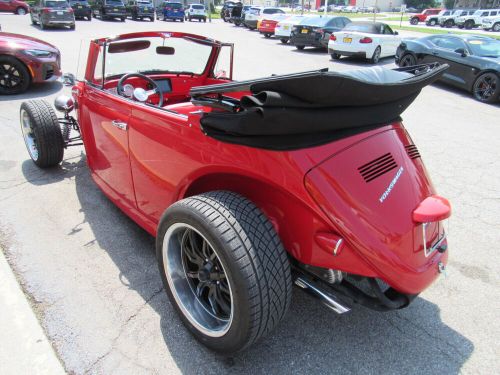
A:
(326, 298)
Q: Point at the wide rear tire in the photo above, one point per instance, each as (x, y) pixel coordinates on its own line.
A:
(221, 242)
(42, 133)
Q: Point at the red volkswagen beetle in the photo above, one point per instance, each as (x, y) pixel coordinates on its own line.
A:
(25, 60)
(267, 25)
(250, 187)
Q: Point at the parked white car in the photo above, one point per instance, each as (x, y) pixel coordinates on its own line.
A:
(350, 9)
(491, 23)
(369, 40)
(476, 19)
(284, 28)
(255, 14)
(196, 12)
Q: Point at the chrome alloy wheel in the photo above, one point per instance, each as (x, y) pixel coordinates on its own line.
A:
(29, 135)
(197, 280)
(485, 86)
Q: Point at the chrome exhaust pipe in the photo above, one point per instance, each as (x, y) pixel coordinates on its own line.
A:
(326, 298)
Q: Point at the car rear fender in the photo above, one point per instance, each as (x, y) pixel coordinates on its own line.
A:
(296, 218)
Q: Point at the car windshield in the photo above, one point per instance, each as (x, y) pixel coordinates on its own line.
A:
(83, 2)
(114, 2)
(361, 27)
(144, 2)
(174, 5)
(180, 55)
(56, 4)
(485, 47)
(196, 6)
(315, 21)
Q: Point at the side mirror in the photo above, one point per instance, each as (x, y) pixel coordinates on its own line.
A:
(462, 52)
(68, 79)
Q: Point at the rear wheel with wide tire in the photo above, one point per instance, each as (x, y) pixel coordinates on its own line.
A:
(224, 269)
(14, 76)
(300, 47)
(414, 21)
(486, 88)
(267, 35)
(376, 56)
(449, 23)
(284, 41)
(42, 133)
(469, 24)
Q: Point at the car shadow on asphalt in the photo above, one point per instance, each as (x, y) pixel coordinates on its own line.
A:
(311, 339)
(36, 90)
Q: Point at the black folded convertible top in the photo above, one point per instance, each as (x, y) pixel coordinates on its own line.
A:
(302, 110)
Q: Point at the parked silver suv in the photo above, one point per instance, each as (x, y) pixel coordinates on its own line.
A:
(52, 13)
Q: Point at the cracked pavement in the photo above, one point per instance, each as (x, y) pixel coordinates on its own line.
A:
(92, 277)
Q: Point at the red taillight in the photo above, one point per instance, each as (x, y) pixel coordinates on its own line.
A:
(45, 10)
(333, 37)
(366, 40)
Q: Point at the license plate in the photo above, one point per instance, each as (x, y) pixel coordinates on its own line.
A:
(60, 13)
(304, 31)
(347, 40)
(146, 9)
(115, 10)
(79, 7)
(286, 27)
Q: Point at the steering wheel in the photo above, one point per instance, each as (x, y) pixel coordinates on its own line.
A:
(139, 93)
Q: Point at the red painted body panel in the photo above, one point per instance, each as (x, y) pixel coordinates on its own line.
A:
(164, 156)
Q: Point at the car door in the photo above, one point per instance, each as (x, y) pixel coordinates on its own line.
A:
(5, 6)
(459, 72)
(108, 153)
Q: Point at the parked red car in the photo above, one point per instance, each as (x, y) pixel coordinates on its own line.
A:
(268, 24)
(250, 187)
(421, 17)
(14, 6)
(25, 60)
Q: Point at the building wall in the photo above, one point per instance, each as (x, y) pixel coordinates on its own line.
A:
(383, 5)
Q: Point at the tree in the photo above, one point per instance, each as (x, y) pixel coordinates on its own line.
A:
(421, 4)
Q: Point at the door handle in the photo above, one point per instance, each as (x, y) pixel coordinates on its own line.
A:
(119, 124)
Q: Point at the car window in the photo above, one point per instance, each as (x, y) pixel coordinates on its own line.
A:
(451, 44)
(388, 30)
(56, 4)
(494, 13)
(485, 47)
(363, 28)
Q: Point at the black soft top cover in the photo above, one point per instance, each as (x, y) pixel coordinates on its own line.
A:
(303, 110)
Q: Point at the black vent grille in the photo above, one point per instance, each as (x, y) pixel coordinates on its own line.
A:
(412, 151)
(49, 72)
(377, 167)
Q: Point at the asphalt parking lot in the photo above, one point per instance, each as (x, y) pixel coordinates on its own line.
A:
(91, 275)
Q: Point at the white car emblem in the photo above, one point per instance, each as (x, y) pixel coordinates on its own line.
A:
(391, 185)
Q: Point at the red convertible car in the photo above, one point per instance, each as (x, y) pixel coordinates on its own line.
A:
(250, 187)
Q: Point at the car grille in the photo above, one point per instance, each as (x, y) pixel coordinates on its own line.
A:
(49, 72)
(377, 167)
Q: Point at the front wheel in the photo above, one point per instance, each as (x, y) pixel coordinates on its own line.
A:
(21, 11)
(42, 133)
(486, 88)
(496, 27)
(224, 269)
(432, 23)
(14, 76)
(407, 60)
(300, 47)
(414, 21)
